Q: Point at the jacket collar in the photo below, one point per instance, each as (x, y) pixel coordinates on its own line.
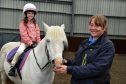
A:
(99, 41)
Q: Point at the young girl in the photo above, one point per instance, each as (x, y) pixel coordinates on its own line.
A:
(29, 32)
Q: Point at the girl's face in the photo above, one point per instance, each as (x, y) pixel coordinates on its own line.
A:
(30, 15)
(95, 30)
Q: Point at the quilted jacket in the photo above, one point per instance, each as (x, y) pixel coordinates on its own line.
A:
(30, 33)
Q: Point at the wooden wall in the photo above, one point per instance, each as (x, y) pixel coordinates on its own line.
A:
(120, 45)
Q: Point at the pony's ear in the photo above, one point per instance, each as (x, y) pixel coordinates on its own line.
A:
(63, 26)
(45, 26)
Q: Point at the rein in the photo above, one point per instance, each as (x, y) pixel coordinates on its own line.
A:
(47, 64)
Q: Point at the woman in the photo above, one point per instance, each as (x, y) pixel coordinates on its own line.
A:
(94, 57)
(29, 32)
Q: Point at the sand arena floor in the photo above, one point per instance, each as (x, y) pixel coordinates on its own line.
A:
(118, 70)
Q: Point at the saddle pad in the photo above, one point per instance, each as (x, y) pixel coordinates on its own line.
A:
(22, 57)
(26, 54)
(11, 54)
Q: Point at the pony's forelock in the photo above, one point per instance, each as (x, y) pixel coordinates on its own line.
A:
(56, 32)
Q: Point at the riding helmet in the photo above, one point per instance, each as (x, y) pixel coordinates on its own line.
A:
(29, 7)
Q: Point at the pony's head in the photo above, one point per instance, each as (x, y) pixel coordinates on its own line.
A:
(56, 41)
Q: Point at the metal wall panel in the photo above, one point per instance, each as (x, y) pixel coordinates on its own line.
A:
(61, 13)
(41, 6)
(54, 19)
(116, 25)
(106, 7)
(115, 10)
(81, 24)
(64, 0)
(51, 13)
(10, 18)
(52, 7)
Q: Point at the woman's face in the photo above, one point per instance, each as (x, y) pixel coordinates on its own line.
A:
(96, 31)
(30, 15)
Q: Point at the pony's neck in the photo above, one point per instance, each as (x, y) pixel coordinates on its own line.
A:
(40, 52)
(41, 46)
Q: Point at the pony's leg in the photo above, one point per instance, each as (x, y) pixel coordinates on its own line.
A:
(3, 77)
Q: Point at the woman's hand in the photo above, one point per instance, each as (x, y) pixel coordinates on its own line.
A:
(60, 69)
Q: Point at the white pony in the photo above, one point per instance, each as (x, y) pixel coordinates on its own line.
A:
(38, 66)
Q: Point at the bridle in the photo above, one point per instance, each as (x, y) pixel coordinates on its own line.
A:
(47, 64)
(41, 68)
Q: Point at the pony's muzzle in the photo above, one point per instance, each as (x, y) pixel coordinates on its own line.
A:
(58, 61)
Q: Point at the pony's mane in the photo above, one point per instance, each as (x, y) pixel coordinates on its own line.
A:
(56, 32)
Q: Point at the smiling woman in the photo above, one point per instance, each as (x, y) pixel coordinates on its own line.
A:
(97, 26)
(94, 57)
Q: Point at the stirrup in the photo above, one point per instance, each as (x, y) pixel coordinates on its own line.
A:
(12, 71)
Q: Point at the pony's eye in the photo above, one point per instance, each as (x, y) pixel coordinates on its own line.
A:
(48, 40)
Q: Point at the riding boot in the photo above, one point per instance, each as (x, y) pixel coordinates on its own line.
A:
(12, 71)
(13, 68)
